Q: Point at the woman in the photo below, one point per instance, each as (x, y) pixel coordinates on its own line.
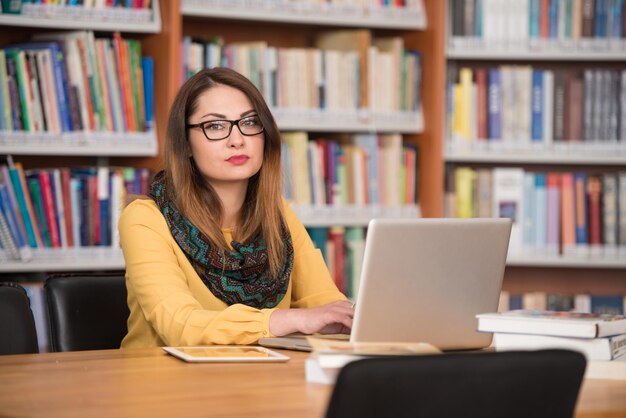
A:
(215, 256)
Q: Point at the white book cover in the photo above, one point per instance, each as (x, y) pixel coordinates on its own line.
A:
(117, 204)
(391, 159)
(554, 323)
(75, 198)
(607, 348)
(60, 209)
(621, 181)
(528, 226)
(611, 370)
(508, 196)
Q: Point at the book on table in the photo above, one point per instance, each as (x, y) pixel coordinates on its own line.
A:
(553, 323)
(330, 355)
(604, 348)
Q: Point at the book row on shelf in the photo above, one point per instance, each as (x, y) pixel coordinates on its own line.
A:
(347, 9)
(343, 249)
(34, 7)
(71, 81)
(518, 107)
(568, 213)
(346, 70)
(538, 24)
(361, 170)
(612, 304)
(63, 207)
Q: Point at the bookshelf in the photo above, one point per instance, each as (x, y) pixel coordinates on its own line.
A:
(516, 37)
(281, 24)
(91, 147)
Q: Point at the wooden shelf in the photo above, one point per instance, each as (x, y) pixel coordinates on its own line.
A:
(308, 13)
(75, 17)
(68, 259)
(322, 121)
(565, 155)
(588, 49)
(326, 216)
(513, 55)
(131, 144)
(615, 261)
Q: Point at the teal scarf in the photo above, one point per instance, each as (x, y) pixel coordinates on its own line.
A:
(239, 276)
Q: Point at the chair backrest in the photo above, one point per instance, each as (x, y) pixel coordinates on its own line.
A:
(538, 384)
(17, 325)
(86, 311)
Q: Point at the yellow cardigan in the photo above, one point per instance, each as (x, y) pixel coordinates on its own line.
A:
(171, 306)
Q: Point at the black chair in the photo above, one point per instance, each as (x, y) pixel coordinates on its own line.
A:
(17, 325)
(86, 311)
(538, 384)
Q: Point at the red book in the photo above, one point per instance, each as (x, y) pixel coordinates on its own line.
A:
(122, 71)
(594, 193)
(481, 111)
(49, 208)
(67, 205)
(336, 235)
(568, 223)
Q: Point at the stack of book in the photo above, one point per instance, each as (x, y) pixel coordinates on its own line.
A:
(600, 337)
(331, 354)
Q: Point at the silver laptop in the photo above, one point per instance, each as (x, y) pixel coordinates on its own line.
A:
(425, 280)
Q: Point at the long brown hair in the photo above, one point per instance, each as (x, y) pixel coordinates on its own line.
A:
(193, 195)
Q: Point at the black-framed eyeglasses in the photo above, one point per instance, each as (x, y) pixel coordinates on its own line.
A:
(215, 130)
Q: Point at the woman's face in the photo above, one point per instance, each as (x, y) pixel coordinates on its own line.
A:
(235, 158)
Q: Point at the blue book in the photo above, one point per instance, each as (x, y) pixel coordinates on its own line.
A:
(580, 209)
(14, 95)
(533, 30)
(617, 31)
(36, 196)
(553, 19)
(515, 302)
(332, 172)
(104, 198)
(319, 236)
(537, 106)
(602, 16)
(3, 89)
(607, 304)
(494, 99)
(11, 217)
(147, 67)
(20, 194)
(478, 11)
(541, 211)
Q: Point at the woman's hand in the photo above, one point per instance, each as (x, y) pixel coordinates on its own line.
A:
(332, 318)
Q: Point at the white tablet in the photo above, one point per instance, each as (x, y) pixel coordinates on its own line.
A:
(226, 353)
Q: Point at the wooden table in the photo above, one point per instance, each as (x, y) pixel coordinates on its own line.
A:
(148, 382)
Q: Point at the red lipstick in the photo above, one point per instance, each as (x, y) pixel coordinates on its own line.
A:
(238, 159)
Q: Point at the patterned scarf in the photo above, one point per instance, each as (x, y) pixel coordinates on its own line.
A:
(239, 276)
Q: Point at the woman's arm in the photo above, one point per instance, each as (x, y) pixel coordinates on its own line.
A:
(317, 304)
